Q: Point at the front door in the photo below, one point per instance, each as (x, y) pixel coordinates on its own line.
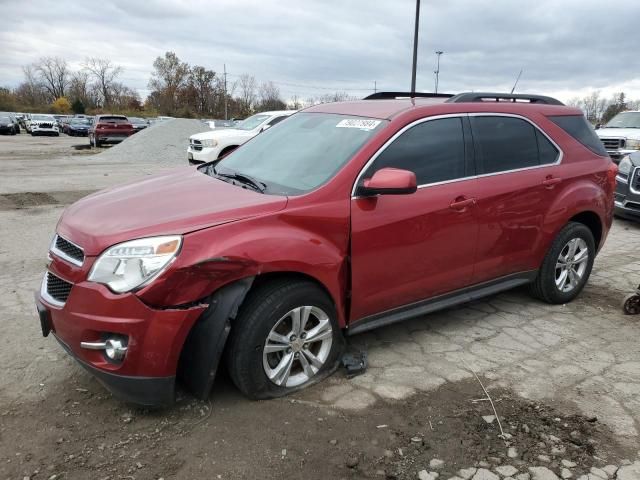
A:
(406, 248)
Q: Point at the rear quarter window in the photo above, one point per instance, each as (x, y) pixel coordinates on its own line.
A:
(581, 130)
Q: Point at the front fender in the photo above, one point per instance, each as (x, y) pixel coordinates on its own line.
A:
(218, 256)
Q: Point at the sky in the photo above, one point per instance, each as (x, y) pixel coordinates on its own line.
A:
(565, 48)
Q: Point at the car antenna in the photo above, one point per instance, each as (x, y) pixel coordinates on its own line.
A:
(514, 85)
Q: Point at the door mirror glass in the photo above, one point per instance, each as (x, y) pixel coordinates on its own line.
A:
(389, 181)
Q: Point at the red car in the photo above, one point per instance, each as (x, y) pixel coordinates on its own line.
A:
(346, 217)
(109, 129)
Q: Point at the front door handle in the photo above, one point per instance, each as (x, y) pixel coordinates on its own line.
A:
(550, 181)
(461, 203)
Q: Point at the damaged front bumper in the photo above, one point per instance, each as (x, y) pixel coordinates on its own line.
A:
(154, 339)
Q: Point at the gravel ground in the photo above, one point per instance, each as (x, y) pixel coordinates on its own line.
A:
(164, 143)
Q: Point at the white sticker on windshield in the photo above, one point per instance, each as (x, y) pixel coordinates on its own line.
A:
(358, 123)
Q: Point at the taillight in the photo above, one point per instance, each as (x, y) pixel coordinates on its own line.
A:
(612, 172)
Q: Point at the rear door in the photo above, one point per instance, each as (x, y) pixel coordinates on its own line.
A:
(406, 248)
(518, 180)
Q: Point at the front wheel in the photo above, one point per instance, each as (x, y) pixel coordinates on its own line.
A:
(285, 338)
(567, 265)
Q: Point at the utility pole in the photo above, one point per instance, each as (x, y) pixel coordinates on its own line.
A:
(415, 50)
(375, 86)
(437, 71)
(226, 115)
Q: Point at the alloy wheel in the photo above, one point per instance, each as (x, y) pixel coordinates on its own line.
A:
(297, 346)
(571, 264)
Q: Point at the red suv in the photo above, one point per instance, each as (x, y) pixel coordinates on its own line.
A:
(346, 217)
(109, 129)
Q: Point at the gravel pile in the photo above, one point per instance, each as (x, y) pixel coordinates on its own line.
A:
(164, 143)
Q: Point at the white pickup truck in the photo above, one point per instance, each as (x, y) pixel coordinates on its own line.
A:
(208, 146)
(621, 135)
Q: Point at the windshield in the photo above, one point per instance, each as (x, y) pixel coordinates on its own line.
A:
(43, 117)
(305, 151)
(252, 122)
(625, 120)
(5, 119)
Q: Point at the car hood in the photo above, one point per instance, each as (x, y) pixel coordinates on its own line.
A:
(177, 202)
(223, 133)
(619, 132)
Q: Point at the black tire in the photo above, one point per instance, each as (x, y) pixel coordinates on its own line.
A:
(544, 286)
(261, 311)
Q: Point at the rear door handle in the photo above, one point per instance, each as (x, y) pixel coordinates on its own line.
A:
(460, 203)
(549, 182)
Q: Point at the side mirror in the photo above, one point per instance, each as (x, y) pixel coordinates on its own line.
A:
(598, 126)
(265, 128)
(389, 181)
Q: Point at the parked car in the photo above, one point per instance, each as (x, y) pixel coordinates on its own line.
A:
(627, 198)
(40, 124)
(346, 217)
(109, 129)
(77, 127)
(218, 124)
(8, 125)
(621, 135)
(138, 123)
(208, 146)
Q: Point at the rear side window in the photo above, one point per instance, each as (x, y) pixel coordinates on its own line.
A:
(433, 150)
(546, 150)
(504, 143)
(578, 127)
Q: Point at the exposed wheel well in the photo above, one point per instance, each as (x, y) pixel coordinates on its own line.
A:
(227, 150)
(591, 221)
(269, 277)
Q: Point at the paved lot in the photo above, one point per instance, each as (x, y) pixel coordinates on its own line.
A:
(583, 357)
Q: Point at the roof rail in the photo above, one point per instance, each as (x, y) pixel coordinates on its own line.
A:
(394, 95)
(503, 97)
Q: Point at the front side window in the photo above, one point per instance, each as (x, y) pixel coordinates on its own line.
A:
(276, 120)
(434, 150)
(508, 143)
(302, 153)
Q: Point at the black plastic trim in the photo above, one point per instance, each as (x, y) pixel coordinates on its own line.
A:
(145, 391)
(441, 302)
(501, 97)
(394, 95)
(205, 343)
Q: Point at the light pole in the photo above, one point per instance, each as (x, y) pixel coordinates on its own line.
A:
(437, 71)
(415, 50)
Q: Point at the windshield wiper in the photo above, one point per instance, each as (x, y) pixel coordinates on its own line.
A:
(243, 178)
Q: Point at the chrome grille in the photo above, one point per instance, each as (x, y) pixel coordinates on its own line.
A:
(196, 145)
(67, 250)
(613, 143)
(44, 125)
(57, 288)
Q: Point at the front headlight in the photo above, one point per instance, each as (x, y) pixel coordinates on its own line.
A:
(632, 144)
(624, 166)
(209, 143)
(130, 265)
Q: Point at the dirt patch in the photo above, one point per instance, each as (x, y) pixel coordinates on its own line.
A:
(78, 432)
(14, 201)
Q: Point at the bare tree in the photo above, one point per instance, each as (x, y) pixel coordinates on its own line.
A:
(202, 87)
(269, 95)
(79, 87)
(105, 73)
(54, 75)
(31, 92)
(169, 77)
(247, 97)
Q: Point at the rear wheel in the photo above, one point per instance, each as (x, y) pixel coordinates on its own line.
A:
(285, 338)
(567, 265)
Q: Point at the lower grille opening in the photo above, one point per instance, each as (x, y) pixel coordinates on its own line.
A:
(57, 288)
